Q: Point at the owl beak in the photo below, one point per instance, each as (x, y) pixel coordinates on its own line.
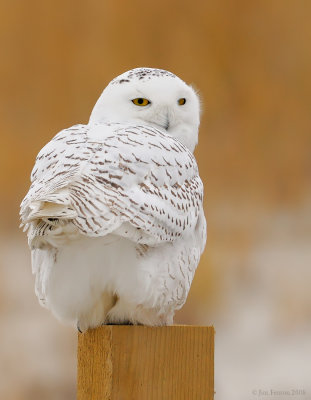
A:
(166, 118)
(167, 123)
(163, 118)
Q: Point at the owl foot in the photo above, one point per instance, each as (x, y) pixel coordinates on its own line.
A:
(96, 316)
(127, 313)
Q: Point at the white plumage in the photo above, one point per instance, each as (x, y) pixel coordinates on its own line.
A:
(114, 214)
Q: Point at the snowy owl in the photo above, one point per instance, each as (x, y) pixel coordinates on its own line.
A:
(114, 214)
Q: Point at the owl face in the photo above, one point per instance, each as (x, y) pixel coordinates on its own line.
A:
(153, 97)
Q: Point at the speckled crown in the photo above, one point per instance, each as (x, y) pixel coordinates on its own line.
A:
(141, 74)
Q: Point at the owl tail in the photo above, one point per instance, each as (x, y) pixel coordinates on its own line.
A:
(42, 261)
(49, 205)
(47, 220)
(48, 210)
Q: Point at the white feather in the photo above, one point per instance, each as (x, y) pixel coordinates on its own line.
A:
(114, 213)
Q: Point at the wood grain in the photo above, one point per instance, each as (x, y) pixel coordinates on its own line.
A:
(146, 363)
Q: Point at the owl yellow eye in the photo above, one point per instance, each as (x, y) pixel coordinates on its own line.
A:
(140, 102)
(182, 101)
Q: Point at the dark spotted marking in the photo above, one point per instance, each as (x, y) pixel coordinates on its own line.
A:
(142, 74)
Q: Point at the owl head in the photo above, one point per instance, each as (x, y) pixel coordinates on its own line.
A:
(154, 97)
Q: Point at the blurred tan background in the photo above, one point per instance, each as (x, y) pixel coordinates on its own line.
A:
(251, 63)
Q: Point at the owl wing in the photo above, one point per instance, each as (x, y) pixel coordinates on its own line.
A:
(136, 181)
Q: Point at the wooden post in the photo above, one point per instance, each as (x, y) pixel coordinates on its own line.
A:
(146, 363)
